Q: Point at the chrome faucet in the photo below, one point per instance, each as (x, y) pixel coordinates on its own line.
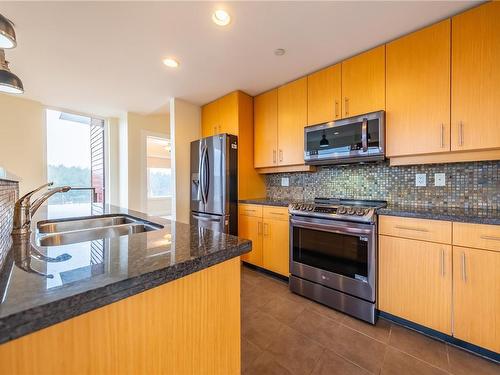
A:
(24, 209)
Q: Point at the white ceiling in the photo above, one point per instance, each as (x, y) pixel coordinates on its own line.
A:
(105, 58)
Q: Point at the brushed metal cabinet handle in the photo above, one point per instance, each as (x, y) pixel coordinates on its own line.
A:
(346, 101)
(461, 133)
(464, 270)
(442, 263)
(442, 135)
(281, 155)
(493, 238)
(411, 228)
(259, 228)
(274, 156)
(336, 108)
(266, 229)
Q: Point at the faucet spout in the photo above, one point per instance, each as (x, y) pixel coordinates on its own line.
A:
(39, 201)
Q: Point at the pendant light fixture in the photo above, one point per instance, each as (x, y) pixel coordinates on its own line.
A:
(7, 34)
(9, 82)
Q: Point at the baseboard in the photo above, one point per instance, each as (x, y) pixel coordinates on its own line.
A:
(265, 271)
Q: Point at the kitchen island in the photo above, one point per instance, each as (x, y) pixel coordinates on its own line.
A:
(164, 301)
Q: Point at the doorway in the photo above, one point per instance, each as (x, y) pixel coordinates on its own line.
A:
(158, 176)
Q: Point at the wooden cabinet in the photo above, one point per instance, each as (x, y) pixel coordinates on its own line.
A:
(266, 129)
(476, 297)
(324, 95)
(363, 83)
(418, 92)
(292, 118)
(416, 229)
(475, 78)
(415, 281)
(250, 227)
(267, 227)
(233, 114)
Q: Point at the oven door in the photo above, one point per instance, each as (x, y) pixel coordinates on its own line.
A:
(337, 254)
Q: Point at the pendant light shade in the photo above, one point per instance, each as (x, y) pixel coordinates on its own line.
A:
(7, 34)
(9, 82)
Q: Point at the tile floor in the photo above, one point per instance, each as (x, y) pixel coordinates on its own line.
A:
(283, 333)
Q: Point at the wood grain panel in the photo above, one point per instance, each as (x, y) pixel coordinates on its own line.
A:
(287, 169)
(210, 119)
(363, 83)
(418, 92)
(275, 213)
(418, 229)
(450, 157)
(324, 95)
(475, 78)
(276, 246)
(188, 326)
(479, 236)
(476, 297)
(250, 227)
(229, 112)
(250, 209)
(292, 118)
(415, 279)
(266, 129)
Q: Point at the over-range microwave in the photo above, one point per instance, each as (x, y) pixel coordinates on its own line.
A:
(351, 140)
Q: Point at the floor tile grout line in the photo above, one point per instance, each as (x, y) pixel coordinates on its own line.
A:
(420, 359)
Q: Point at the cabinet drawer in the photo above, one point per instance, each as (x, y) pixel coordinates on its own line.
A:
(479, 236)
(250, 210)
(419, 229)
(276, 213)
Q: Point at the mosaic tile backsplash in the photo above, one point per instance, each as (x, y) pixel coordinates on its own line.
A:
(468, 185)
(8, 194)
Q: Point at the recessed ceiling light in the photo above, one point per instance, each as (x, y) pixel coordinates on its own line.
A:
(171, 63)
(279, 51)
(221, 17)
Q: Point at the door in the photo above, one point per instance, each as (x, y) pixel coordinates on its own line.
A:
(213, 167)
(210, 119)
(324, 95)
(292, 117)
(415, 281)
(266, 129)
(476, 297)
(418, 92)
(363, 83)
(228, 114)
(475, 78)
(276, 246)
(250, 227)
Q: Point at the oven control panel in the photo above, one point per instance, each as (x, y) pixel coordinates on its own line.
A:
(356, 213)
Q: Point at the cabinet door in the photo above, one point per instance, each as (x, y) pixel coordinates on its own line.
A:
(292, 118)
(475, 78)
(363, 83)
(210, 119)
(276, 246)
(250, 227)
(266, 129)
(228, 114)
(415, 281)
(418, 92)
(324, 95)
(476, 297)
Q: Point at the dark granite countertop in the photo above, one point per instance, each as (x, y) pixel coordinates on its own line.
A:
(466, 215)
(267, 202)
(102, 271)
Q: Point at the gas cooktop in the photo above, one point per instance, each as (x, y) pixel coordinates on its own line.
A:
(339, 209)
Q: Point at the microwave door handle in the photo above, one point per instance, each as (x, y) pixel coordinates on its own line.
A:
(364, 135)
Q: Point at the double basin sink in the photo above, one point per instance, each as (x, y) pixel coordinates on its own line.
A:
(69, 231)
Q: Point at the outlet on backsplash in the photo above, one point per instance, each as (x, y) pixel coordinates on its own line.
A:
(439, 179)
(420, 179)
(285, 181)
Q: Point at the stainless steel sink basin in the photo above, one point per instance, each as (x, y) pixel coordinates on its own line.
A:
(65, 232)
(57, 226)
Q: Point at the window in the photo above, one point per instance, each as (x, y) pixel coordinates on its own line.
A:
(159, 185)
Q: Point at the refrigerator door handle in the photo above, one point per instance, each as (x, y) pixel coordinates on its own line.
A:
(206, 175)
(202, 175)
(199, 182)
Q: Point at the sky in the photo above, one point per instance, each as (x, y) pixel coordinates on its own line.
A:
(68, 143)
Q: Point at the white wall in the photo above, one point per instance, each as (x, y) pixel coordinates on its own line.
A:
(113, 162)
(185, 126)
(23, 140)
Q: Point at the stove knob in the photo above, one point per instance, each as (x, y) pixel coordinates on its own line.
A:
(360, 211)
(310, 208)
(350, 211)
(341, 210)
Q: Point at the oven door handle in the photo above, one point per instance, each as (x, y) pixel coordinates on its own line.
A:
(331, 228)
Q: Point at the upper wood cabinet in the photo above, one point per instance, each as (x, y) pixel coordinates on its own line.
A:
(418, 92)
(292, 118)
(324, 95)
(476, 297)
(266, 129)
(221, 116)
(210, 123)
(475, 78)
(363, 83)
(415, 281)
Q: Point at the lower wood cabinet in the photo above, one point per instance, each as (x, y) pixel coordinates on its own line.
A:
(476, 297)
(415, 279)
(268, 229)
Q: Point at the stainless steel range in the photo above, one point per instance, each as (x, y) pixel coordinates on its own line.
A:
(333, 254)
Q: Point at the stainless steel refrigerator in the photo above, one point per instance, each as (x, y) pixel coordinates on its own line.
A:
(214, 183)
